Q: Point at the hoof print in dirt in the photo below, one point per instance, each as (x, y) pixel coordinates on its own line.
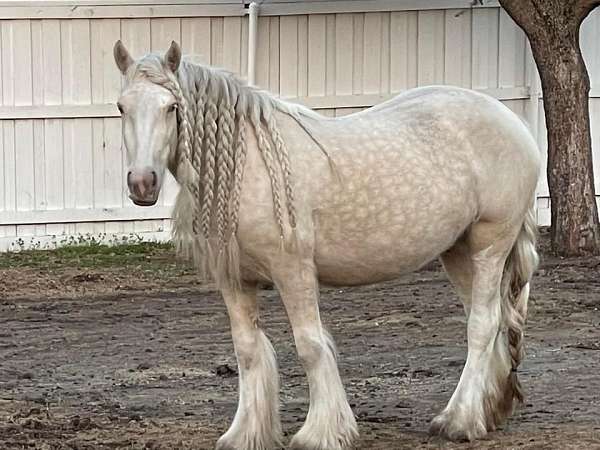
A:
(225, 371)
(81, 423)
(143, 366)
(87, 277)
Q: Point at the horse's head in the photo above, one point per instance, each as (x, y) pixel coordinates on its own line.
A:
(148, 113)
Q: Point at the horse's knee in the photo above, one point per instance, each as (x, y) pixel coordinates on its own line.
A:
(248, 347)
(310, 346)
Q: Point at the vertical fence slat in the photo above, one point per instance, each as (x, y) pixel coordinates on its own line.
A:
(274, 67)
(115, 170)
(403, 51)
(77, 48)
(431, 47)
(22, 68)
(590, 46)
(358, 24)
(22, 76)
(39, 172)
(344, 51)
(216, 29)
(485, 48)
(372, 54)
(9, 174)
(244, 47)
(232, 44)
(4, 229)
(288, 56)
(317, 55)
(8, 97)
(53, 143)
(99, 188)
(37, 60)
(263, 62)
(53, 128)
(135, 34)
(511, 53)
(595, 128)
(105, 87)
(385, 52)
(457, 51)
(302, 56)
(2, 172)
(196, 38)
(330, 54)
(591, 53)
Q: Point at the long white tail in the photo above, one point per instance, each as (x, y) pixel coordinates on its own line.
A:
(518, 271)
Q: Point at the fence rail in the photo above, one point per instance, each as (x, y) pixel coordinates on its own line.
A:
(104, 9)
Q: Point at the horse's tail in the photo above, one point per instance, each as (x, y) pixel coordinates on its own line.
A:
(518, 270)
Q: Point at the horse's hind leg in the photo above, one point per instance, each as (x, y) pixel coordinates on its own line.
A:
(458, 265)
(256, 425)
(330, 423)
(488, 385)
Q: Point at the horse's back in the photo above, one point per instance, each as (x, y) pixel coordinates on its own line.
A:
(413, 174)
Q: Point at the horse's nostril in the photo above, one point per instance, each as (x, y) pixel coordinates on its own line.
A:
(129, 177)
(154, 179)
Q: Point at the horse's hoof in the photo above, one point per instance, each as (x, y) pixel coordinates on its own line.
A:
(458, 429)
(222, 444)
(330, 441)
(227, 443)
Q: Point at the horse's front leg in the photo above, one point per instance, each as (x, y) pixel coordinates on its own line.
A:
(256, 425)
(330, 423)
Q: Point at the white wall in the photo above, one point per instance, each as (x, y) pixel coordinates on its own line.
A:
(61, 164)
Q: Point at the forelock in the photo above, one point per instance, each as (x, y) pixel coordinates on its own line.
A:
(148, 67)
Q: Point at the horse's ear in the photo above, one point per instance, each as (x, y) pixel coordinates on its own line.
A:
(173, 57)
(122, 57)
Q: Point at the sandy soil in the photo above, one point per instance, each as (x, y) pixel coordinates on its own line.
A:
(106, 358)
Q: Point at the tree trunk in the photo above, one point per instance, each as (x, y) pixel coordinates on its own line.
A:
(566, 87)
(553, 30)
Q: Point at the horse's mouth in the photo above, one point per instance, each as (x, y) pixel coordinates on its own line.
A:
(143, 202)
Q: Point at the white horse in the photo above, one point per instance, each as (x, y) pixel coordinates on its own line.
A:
(273, 191)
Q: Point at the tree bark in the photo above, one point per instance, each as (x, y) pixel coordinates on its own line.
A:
(552, 27)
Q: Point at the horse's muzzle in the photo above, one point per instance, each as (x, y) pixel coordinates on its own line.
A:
(143, 187)
(143, 202)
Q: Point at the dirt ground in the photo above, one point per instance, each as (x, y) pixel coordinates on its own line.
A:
(110, 351)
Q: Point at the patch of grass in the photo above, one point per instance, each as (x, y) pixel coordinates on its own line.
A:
(145, 256)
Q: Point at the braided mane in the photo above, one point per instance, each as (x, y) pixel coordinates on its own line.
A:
(214, 109)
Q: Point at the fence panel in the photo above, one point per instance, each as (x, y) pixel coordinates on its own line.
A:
(61, 162)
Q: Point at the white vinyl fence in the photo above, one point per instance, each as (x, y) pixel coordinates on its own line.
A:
(61, 163)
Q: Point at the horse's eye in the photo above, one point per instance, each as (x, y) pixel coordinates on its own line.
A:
(120, 108)
(172, 107)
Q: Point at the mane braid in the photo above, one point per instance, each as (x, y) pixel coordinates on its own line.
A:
(225, 162)
(200, 101)
(209, 147)
(284, 161)
(267, 154)
(234, 206)
(213, 111)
